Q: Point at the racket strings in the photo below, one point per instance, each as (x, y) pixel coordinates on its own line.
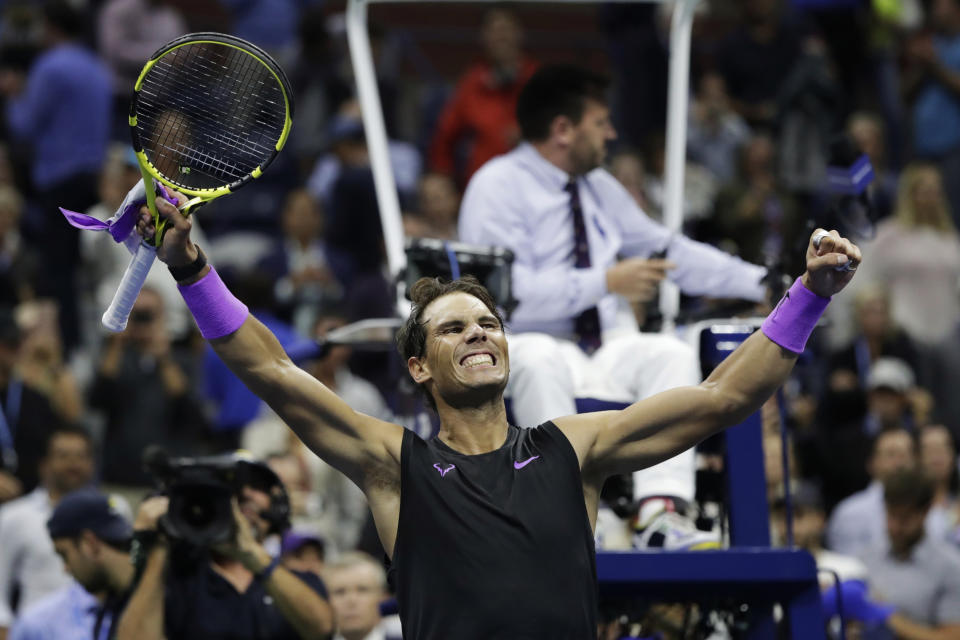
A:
(209, 114)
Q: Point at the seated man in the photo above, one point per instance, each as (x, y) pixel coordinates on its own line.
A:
(235, 589)
(858, 523)
(582, 251)
(917, 575)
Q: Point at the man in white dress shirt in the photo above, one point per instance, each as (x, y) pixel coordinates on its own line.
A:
(582, 253)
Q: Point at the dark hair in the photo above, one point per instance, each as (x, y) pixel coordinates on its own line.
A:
(63, 17)
(412, 336)
(557, 90)
(68, 430)
(908, 488)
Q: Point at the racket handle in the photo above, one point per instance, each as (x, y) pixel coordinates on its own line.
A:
(115, 317)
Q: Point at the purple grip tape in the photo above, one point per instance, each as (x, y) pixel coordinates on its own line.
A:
(217, 312)
(792, 321)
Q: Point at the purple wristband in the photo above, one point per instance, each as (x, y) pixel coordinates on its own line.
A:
(792, 321)
(217, 312)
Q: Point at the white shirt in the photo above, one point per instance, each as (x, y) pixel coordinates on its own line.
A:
(518, 201)
(27, 556)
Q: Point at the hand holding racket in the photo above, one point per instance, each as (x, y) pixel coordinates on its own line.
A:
(209, 113)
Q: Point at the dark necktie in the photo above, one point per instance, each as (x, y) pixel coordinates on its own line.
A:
(587, 324)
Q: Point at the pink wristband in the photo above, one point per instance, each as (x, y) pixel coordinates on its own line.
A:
(217, 312)
(792, 321)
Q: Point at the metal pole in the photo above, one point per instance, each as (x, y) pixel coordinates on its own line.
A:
(681, 26)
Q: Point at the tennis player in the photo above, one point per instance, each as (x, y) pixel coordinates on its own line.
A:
(489, 527)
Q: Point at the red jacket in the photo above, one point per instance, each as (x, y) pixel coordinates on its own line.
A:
(482, 111)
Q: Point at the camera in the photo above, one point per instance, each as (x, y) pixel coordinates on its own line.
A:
(200, 491)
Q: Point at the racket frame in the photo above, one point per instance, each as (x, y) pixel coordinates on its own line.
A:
(199, 196)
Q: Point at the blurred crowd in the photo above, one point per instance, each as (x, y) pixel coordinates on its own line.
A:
(772, 83)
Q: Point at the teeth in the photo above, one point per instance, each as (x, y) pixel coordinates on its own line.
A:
(480, 358)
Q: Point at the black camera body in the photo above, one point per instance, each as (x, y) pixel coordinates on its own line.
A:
(200, 491)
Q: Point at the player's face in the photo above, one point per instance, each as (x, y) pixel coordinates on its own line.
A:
(591, 134)
(466, 351)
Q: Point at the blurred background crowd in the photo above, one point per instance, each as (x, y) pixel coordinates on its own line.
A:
(772, 81)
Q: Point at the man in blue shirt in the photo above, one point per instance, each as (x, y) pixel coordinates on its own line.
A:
(62, 110)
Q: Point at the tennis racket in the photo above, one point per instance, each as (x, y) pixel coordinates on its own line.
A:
(209, 113)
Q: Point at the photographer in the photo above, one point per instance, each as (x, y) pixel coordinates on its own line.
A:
(230, 589)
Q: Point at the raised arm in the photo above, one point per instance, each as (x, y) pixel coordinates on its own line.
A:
(663, 425)
(351, 442)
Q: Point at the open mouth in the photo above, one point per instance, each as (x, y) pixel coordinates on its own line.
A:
(477, 360)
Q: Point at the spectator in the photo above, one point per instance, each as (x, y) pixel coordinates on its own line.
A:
(568, 222)
(916, 254)
(128, 33)
(358, 585)
(809, 526)
(889, 385)
(19, 264)
(932, 80)
(28, 562)
(29, 418)
(756, 59)
(482, 111)
(318, 88)
(918, 575)
(868, 133)
(92, 537)
(755, 217)
(235, 589)
(438, 204)
(63, 110)
(304, 552)
(627, 167)
(299, 265)
(348, 153)
(715, 131)
(938, 461)
(877, 337)
(857, 523)
(144, 387)
(270, 24)
(41, 364)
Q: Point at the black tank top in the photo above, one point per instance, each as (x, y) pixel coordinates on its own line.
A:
(495, 545)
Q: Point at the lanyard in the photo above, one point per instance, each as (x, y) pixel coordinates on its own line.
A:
(9, 417)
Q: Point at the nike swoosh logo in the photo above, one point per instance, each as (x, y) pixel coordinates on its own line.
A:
(521, 465)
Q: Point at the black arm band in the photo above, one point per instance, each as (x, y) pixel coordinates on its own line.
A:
(143, 541)
(189, 270)
(267, 571)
